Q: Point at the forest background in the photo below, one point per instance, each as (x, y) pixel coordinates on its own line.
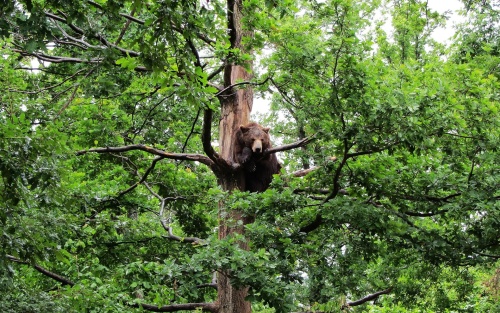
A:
(119, 192)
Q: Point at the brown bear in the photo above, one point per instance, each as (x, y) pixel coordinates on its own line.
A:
(250, 142)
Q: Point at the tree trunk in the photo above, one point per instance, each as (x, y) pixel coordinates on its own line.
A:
(236, 106)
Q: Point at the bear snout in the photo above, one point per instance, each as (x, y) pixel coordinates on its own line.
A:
(257, 146)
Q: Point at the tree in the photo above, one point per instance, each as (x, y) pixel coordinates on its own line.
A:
(118, 198)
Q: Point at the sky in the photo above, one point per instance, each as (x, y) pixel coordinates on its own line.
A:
(442, 35)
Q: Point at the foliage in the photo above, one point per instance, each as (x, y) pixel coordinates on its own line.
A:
(404, 195)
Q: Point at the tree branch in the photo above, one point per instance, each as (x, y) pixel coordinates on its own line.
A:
(165, 222)
(57, 59)
(48, 87)
(336, 184)
(205, 307)
(206, 136)
(125, 28)
(240, 84)
(143, 178)
(370, 297)
(302, 173)
(176, 156)
(192, 130)
(59, 278)
(100, 38)
(300, 143)
(215, 73)
(429, 198)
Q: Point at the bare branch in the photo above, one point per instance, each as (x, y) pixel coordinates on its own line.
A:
(202, 37)
(133, 19)
(300, 143)
(57, 59)
(165, 222)
(99, 37)
(194, 51)
(240, 84)
(73, 94)
(176, 156)
(302, 173)
(370, 297)
(193, 240)
(125, 28)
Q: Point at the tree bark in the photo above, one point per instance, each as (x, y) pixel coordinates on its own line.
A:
(236, 106)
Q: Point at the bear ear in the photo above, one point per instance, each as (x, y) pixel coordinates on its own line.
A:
(266, 130)
(244, 129)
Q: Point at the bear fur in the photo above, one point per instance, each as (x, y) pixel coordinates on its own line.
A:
(250, 142)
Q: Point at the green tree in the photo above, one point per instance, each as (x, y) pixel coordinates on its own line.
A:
(117, 197)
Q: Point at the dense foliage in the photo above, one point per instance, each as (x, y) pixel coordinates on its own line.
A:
(401, 199)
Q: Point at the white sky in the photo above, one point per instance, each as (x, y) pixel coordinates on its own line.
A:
(441, 6)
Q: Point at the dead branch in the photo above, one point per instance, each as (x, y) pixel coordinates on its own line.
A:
(100, 38)
(302, 173)
(165, 223)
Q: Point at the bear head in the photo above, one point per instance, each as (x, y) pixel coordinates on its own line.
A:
(256, 137)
